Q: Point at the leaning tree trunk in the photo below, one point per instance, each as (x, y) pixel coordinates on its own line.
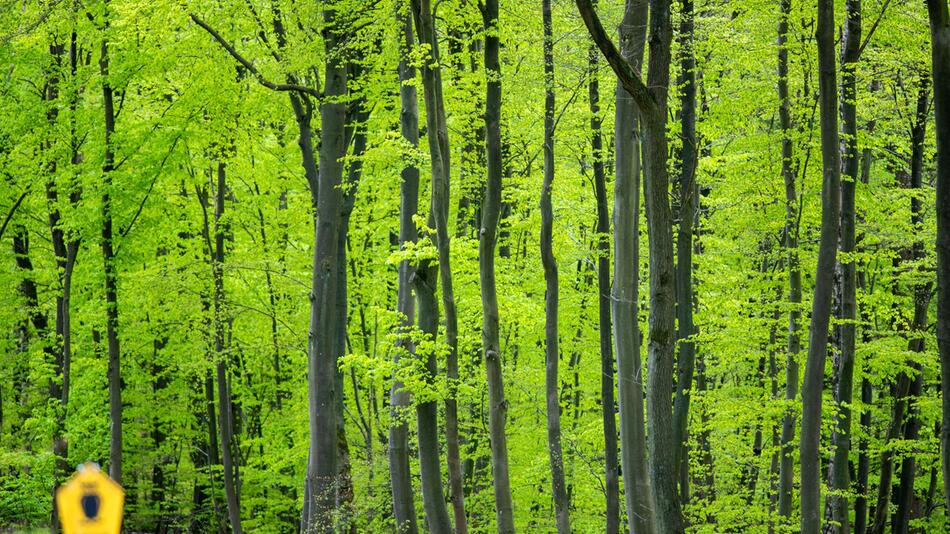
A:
(320, 489)
(827, 251)
(404, 511)
(552, 386)
(108, 260)
(608, 405)
(839, 478)
(689, 204)
(940, 49)
(491, 210)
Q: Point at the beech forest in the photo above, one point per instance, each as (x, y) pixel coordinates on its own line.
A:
(477, 266)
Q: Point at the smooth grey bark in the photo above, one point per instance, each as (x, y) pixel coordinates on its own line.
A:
(627, 63)
(689, 204)
(436, 513)
(827, 251)
(839, 478)
(108, 260)
(940, 61)
(404, 511)
(651, 98)
(608, 404)
(787, 461)
(219, 323)
(549, 263)
(488, 237)
(320, 489)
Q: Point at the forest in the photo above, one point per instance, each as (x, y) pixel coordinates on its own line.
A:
(472, 266)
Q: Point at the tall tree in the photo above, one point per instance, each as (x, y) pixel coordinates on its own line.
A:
(221, 355)
(487, 241)
(637, 491)
(429, 460)
(786, 463)
(940, 61)
(320, 490)
(651, 98)
(827, 252)
(688, 205)
(839, 478)
(905, 491)
(401, 478)
(551, 352)
(108, 260)
(608, 405)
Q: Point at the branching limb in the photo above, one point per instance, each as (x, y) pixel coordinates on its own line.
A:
(628, 77)
(250, 66)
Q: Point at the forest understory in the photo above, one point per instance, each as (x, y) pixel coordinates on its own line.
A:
(471, 266)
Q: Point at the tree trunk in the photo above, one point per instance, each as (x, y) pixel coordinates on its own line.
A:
(689, 203)
(219, 323)
(608, 404)
(839, 477)
(551, 352)
(864, 461)
(436, 513)
(940, 49)
(108, 259)
(491, 208)
(905, 492)
(661, 338)
(626, 64)
(320, 490)
(827, 251)
(787, 461)
(404, 511)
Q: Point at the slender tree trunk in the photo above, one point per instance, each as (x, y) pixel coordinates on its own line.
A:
(899, 392)
(940, 49)
(689, 203)
(661, 338)
(864, 461)
(631, 97)
(108, 258)
(827, 251)
(321, 488)
(839, 477)
(491, 210)
(404, 511)
(219, 322)
(436, 513)
(549, 262)
(787, 461)
(608, 404)
(905, 492)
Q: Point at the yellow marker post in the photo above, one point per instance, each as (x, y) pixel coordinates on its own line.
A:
(90, 503)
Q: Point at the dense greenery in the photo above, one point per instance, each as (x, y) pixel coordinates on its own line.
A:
(207, 206)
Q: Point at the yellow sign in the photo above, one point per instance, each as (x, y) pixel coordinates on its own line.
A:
(90, 503)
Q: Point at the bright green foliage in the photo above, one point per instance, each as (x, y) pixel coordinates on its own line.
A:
(184, 106)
